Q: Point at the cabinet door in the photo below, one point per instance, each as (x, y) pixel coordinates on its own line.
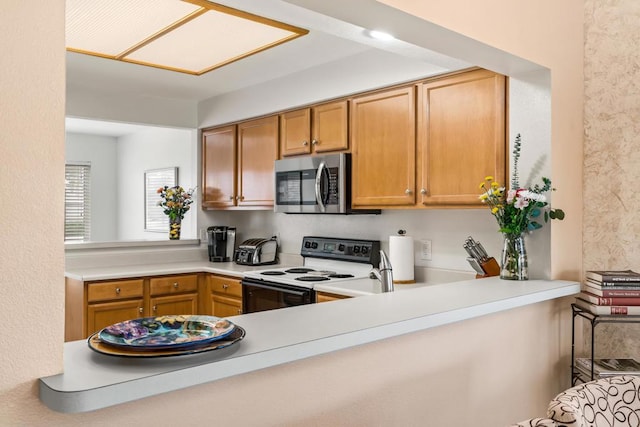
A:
(461, 136)
(295, 128)
(174, 304)
(383, 144)
(257, 152)
(101, 315)
(224, 306)
(219, 167)
(330, 129)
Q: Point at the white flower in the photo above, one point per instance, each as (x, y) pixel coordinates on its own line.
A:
(533, 196)
(521, 202)
(510, 195)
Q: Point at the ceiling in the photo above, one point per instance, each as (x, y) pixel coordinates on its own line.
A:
(328, 40)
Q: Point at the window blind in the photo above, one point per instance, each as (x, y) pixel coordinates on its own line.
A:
(155, 219)
(77, 202)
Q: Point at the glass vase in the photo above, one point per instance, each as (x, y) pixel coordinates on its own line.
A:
(514, 258)
(174, 228)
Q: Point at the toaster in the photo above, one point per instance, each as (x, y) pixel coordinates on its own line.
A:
(257, 252)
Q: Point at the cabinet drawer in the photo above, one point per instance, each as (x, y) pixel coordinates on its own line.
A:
(225, 286)
(173, 284)
(120, 289)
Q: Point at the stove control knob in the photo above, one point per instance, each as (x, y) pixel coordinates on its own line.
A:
(314, 245)
(341, 247)
(307, 245)
(365, 250)
(356, 249)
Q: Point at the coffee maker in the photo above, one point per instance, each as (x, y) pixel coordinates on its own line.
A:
(222, 242)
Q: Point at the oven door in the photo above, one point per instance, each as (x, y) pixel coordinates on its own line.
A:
(258, 295)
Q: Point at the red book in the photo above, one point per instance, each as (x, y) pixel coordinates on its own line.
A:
(620, 292)
(597, 300)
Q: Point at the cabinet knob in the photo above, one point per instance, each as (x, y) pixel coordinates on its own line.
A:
(175, 285)
(118, 291)
(314, 142)
(230, 197)
(423, 191)
(225, 286)
(407, 191)
(154, 308)
(140, 310)
(239, 311)
(305, 143)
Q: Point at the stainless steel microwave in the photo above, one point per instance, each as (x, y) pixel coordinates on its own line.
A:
(315, 184)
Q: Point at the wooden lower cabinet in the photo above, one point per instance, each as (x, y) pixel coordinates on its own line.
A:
(174, 304)
(101, 315)
(326, 297)
(226, 295)
(91, 306)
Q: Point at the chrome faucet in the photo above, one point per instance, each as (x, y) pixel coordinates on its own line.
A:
(384, 274)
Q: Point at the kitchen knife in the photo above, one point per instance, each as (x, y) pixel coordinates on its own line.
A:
(481, 254)
(485, 255)
(474, 250)
(476, 266)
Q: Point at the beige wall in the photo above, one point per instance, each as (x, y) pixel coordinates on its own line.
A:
(493, 392)
(612, 152)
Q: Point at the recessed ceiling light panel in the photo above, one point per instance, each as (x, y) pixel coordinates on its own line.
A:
(190, 36)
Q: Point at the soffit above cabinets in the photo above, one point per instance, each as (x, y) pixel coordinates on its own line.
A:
(187, 36)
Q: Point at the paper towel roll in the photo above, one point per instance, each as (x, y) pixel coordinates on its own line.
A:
(401, 258)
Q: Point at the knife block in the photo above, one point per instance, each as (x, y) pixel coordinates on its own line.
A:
(491, 268)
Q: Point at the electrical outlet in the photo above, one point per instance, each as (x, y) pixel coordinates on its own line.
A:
(425, 250)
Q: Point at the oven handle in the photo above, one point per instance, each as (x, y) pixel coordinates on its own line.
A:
(277, 288)
(321, 168)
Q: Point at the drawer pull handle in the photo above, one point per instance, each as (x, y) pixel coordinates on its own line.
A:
(117, 291)
(175, 285)
(225, 286)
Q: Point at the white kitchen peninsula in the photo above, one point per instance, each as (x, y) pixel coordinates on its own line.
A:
(92, 381)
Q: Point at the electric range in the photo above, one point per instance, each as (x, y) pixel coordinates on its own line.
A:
(326, 260)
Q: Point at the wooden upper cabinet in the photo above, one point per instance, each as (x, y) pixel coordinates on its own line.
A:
(461, 136)
(219, 167)
(295, 132)
(257, 152)
(383, 143)
(319, 129)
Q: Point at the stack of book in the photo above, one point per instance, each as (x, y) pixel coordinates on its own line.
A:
(607, 367)
(611, 292)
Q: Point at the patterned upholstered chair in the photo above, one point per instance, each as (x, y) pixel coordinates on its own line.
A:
(607, 402)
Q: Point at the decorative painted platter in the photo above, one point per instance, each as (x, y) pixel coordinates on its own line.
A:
(98, 346)
(166, 332)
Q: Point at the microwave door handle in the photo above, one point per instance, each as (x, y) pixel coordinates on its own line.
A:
(321, 169)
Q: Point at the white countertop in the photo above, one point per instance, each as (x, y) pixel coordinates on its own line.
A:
(91, 381)
(139, 270)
